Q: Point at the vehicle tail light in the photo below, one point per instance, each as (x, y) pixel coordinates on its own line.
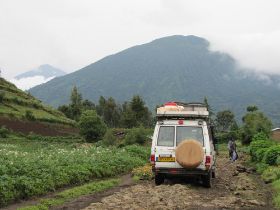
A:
(172, 171)
(152, 158)
(208, 161)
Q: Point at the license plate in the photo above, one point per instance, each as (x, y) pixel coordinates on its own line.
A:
(166, 159)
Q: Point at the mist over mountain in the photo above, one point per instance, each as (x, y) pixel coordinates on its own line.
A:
(175, 68)
(37, 76)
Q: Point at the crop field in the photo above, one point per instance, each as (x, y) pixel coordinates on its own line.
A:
(15, 103)
(30, 168)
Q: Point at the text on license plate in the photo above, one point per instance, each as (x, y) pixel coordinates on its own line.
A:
(166, 159)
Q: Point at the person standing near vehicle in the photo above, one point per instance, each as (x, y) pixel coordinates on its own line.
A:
(232, 149)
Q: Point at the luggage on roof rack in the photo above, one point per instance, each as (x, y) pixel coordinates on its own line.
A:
(182, 110)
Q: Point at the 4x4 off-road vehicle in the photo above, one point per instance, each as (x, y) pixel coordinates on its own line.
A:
(183, 143)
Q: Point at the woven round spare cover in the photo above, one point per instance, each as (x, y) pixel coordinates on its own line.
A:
(189, 154)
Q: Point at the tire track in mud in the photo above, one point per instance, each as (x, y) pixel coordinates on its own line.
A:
(235, 187)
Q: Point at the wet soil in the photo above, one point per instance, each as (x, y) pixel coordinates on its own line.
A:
(235, 187)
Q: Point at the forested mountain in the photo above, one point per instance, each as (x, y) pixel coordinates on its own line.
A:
(180, 68)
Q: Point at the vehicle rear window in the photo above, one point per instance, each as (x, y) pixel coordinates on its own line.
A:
(188, 132)
(166, 136)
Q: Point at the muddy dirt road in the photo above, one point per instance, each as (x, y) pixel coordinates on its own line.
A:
(235, 187)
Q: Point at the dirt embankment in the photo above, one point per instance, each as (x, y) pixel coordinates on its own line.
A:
(44, 129)
(235, 187)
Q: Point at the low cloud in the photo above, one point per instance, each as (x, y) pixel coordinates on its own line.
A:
(72, 34)
(29, 82)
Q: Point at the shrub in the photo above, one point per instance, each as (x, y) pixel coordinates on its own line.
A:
(92, 127)
(29, 115)
(18, 101)
(261, 167)
(260, 136)
(254, 122)
(137, 151)
(276, 187)
(136, 136)
(271, 174)
(143, 172)
(272, 154)
(4, 132)
(259, 154)
(109, 138)
(2, 96)
(278, 161)
(257, 145)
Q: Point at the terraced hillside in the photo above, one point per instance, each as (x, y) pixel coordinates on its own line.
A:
(22, 112)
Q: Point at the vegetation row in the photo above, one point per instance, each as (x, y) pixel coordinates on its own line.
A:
(30, 168)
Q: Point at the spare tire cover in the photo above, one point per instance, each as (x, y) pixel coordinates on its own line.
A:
(189, 153)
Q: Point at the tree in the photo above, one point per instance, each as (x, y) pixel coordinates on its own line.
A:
(100, 106)
(128, 118)
(92, 126)
(65, 109)
(76, 103)
(224, 121)
(135, 113)
(253, 123)
(142, 113)
(88, 105)
(137, 105)
(252, 108)
(109, 111)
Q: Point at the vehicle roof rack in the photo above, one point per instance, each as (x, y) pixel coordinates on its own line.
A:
(179, 110)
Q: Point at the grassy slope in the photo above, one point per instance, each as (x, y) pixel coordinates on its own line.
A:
(17, 102)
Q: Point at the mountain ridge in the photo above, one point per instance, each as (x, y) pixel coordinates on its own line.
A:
(178, 68)
(44, 70)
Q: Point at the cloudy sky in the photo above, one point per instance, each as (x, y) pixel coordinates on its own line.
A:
(70, 34)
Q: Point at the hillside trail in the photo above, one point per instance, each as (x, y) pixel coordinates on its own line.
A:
(235, 187)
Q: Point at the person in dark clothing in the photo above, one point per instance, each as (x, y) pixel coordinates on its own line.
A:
(232, 150)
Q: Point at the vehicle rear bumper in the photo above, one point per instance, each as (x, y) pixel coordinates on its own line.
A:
(180, 171)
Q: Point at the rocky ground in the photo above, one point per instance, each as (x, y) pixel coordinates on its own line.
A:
(235, 187)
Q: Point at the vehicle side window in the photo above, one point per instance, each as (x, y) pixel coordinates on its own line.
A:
(188, 132)
(166, 136)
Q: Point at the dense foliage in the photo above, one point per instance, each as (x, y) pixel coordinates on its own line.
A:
(128, 115)
(225, 120)
(137, 136)
(92, 126)
(254, 122)
(33, 168)
(4, 132)
(266, 154)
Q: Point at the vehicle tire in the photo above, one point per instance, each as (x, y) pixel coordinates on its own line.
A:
(207, 180)
(159, 179)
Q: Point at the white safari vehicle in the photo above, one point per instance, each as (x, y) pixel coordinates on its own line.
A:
(182, 143)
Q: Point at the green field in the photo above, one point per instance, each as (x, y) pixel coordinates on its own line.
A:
(30, 168)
